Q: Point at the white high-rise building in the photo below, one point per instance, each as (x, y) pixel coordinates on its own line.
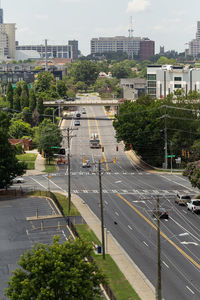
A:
(7, 41)
(194, 45)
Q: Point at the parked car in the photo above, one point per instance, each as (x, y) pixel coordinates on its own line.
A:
(194, 205)
(161, 213)
(86, 164)
(60, 101)
(18, 180)
(182, 199)
(77, 123)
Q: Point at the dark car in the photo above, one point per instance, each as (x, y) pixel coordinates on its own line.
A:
(161, 213)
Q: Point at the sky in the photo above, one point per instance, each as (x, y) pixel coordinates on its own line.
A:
(171, 23)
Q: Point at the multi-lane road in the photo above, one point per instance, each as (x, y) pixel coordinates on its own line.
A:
(129, 195)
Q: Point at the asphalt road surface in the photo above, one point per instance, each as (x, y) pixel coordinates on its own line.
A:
(129, 195)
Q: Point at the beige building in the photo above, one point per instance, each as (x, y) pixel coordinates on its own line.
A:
(7, 41)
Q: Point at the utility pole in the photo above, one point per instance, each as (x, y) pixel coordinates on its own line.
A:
(68, 136)
(158, 287)
(101, 205)
(166, 159)
(46, 58)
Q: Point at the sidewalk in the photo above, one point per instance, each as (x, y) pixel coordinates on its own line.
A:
(39, 164)
(136, 278)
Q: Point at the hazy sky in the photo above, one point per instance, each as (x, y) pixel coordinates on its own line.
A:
(171, 23)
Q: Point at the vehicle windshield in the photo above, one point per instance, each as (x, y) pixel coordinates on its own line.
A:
(197, 203)
(186, 197)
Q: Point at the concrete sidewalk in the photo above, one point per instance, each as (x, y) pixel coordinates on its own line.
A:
(136, 278)
(39, 164)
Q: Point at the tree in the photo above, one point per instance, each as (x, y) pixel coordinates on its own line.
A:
(9, 94)
(19, 128)
(61, 88)
(57, 271)
(44, 81)
(48, 113)
(9, 165)
(85, 71)
(16, 101)
(27, 115)
(119, 70)
(40, 107)
(32, 100)
(24, 96)
(192, 171)
(48, 136)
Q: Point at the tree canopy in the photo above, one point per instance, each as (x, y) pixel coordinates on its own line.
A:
(57, 271)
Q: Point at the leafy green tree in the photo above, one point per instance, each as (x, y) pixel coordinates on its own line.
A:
(19, 88)
(16, 101)
(61, 88)
(81, 86)
(192, 171)
(19, 128)
(58, 271)
(48, 113)
(119, 70)
(162, 60)
(27, 115)
(9, 94)
(85, 71)
(32, 100)
(40, 107)
(44, 81)
(10, 167)
(48, 135)
(24, 97)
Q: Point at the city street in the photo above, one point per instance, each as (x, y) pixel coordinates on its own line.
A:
(129, 196)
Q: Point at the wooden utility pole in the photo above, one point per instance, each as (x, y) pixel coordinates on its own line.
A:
(101, 205)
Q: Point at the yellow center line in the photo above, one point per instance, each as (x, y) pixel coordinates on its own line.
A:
(161, 233)
(88, 124)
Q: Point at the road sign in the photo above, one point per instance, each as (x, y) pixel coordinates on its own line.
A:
(170, 155)
(54, 147)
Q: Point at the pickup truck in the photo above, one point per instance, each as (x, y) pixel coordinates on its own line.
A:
(194, 205)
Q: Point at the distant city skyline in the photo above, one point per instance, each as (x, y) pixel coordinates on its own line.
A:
(172, 24)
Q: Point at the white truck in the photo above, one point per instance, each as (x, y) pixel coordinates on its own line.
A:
(94, 141)
(194, 205)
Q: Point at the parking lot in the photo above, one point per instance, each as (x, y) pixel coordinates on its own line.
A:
(24, 221)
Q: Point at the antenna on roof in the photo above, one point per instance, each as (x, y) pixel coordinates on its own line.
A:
(130, 43)
(130, 30)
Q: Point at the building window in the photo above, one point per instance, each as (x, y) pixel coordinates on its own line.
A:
(177, 79)
(151, 76)
(177, 86)
(151, 91)
(152, 84)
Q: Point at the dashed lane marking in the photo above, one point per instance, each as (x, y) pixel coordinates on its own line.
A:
(189, 289)
(165, 264)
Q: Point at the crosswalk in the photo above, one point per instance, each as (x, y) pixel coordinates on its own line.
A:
(94, 173)
(132, 192)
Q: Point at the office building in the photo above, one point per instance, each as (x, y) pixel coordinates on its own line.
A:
(133, 46)
(194, 45)
(166, 79)
(7, 41)
(75, 52)
(1, 16)
(133, 88)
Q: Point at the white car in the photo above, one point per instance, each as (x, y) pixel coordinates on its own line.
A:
(86, 164)
(194, 205)
(18, 180)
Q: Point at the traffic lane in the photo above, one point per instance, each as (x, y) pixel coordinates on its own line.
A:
(142, 252)
(16, 231)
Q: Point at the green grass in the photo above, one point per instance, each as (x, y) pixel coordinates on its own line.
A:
(64, 203)
(29, 159)
(117, 281)
(49, 168)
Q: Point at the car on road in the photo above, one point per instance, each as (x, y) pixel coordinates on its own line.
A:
(78, 114)
(161, 213)
(70, 99)
(194, 205)
(77, 123)
(60, 101)
(83, 110)
(86, 164)
(18, 180)
(182, 199)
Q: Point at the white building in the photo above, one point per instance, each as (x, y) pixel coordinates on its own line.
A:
(7, 41)
(163, 80)
(194, 45)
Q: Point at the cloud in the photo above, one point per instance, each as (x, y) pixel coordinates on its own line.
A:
(41, 17)
(23, 29)
(137, 5)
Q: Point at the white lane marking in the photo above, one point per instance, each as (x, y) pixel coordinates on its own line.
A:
(38, 183)
(140, 201)
(189, 289)
(85, 191)
(118, 181)
(114, 191)
(130, 227)
(105, 191)
(75, 191)
(57, 185)
(179, 225)
(124, 191)
(116, 213)
(189, 243)
(27, 232)
(165, 264)
(106, 202)
(95, 191)
(172, 180)
(64, 235)
(145, 243)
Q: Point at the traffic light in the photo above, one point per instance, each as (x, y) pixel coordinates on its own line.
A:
(183, 152)
(188, 153)
(102, 149)
(117, 148)
(115, 159)
(62, 151)
(83, 159)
